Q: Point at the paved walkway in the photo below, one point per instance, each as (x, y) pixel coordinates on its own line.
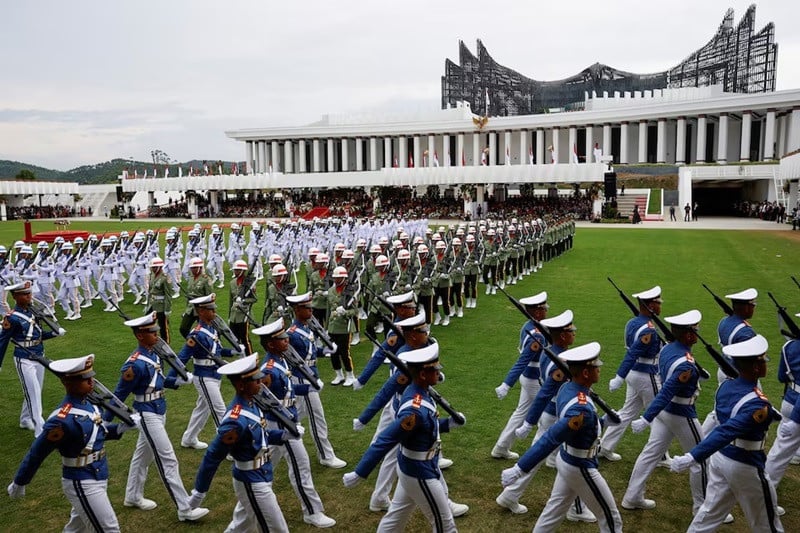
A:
(704, 223)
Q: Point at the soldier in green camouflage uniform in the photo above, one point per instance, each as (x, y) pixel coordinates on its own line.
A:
(198, 284)
(318, 285)
(159, 295)
(241, 305)
(341, 310)
(423, 283)
(383, 282)
(442, 283)
(457, 278)
(278, 288)
(490, 260)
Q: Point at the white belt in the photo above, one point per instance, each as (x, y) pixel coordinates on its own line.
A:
(425, 455)
(149, 397)
(581, 453)
(290, 402)
(29, 344)
(645, 361)
(533, 364)
(83, 460)
(794, 386)
(204, 362)
(158, 297)
(683, 401)
(255, 464)
(750, 445)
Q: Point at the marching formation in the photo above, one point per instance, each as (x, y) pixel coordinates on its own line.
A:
(391, 282)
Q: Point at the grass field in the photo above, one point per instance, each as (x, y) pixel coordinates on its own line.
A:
(477, 352)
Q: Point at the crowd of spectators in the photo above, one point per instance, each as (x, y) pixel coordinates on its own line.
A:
(770, 211)
(31, 212)
(579, 206)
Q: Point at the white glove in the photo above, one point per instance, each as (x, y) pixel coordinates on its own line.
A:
(788, 428)
(238, 299)
(279, 309)
(639, 425)
(61, 332)
(300, 432)
(324, 293)
(426, 280)
(137, 421)
(502, 390)
(328, 351)
(180, 381)
(455, 424)
(608, 421)
(615, 383)
(682, 462)
(320, 384)
(16, 491)
(510, 475)
(357, 385)
(196, 499)
(242, 350)
(523, 431)
(351, 479)
(339, 311)
(357, 425)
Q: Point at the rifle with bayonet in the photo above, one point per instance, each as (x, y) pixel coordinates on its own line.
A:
(720, 302)
(403, 368)
(100, 395)
(796, 282)
(561, 365)
(786, 318)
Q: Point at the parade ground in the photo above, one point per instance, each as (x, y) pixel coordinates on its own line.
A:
(727, 254)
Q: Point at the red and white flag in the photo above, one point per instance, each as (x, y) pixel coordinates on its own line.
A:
(166, 172)
(575, 153)
(483, 158)
(463, 159)
(180, 171)
(394, 164)
(270, 168)
(235, 168)
(135, 174)
(487, 101)
(410, 161)
(508, 155)
(435, 158)
(530, 155)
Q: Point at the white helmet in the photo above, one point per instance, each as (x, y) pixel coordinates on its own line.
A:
(381, 261)
(375, 249)
(360, 243)
(67, 246)
(240, 265)
(156, 262)
(422, 249)
(79, 240)
(196, 262)
(456, 241)
(19, 244)
(338, 247)
(348, 254)
(322, 257)
(470, 238)
(441, 245)
(398, 244)
(279, 270)
(42, 245)
(274, 259)
(235, 226)
(403, 255)
(340, 272)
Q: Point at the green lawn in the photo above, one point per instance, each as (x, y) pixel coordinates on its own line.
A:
(654, 205)
(477, 351)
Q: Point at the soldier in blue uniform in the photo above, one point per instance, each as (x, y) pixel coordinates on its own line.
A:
(277, 377)
(76, 429)
(735, 449)
(416, 429)
(638, 370)
(526, 370)
(302, 339)
(141, 376)
(243, 434)
(577, 434)
(203, 346)
(22, 328)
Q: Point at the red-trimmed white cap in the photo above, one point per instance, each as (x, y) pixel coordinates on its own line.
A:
(245, 368)
(560, 321)
(425, 356)
(273, 330)
(587, 354)
(649, 294)
(536, 299)
(82, 367)
(747, 295)
(753, 347)
(687, 319)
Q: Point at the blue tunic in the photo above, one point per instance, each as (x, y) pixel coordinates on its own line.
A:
(679, 379)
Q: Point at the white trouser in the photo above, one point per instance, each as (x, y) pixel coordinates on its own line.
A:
(387, 472)
(64, 298)
(514, 491)
(640, 391)
(208, 394)
(91, 509)
(311, 406)
(107, 290)
(783, 448)
(136, 281)
(31, 377)
(664, 428)
(527, 392)
(46, 292)
(430, 495)
(257, 509)
(587, 484)
(86, 282)
(299, 472)
(731, 482)
(153, 438)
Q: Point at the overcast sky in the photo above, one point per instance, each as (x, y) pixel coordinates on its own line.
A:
(87, 81)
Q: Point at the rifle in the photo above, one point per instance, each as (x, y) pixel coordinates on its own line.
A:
(100, 396)
(796, 282)
(403, 368)
(320, 332)
(634, 309)
(269, 403)
(561, 365)
(161, 348)
(786, 318)
(720, 302)
(723, 363)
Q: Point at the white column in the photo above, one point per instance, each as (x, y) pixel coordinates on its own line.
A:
(722, 143)
(359, 154)
(661, 141)
(540, 147)
(402, 148)
(444, 157)
(794, 130)
(702, 131)
(387, 152)
(248, 157)
(460, 156)
(316, 157)
(331, 156)
(642, 141)
(507, 147)
(275, 156)
(301, 155)
(744, 151)
(373, 153)
(556, 152)
(524, 148)
(589, 148)
(417, 152)
(476, 149)
(345, 155)
(769, 136)
(607, 139)
(623, 143)
(262, 149)
(492, 160)
(288, 157)
(573, 142)
(680, 142)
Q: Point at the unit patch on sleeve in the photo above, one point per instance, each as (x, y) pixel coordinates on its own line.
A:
(409, 422)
